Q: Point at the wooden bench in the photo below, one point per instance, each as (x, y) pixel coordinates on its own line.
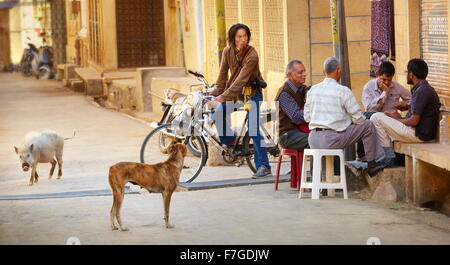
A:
(427, 171)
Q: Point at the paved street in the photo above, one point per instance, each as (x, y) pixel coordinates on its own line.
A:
(240, 215)
(103, 137)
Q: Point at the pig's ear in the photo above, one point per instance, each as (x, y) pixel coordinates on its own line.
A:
(16, 149)
(31, 147)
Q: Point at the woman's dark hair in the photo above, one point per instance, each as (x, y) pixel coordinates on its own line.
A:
(233, 30)
(418, 67)
(386, 68)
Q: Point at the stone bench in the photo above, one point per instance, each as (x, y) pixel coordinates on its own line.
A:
(92, 81)
(427, 172)
(144, 77)
(183, 84)
(66, 73)
(60, 69)
(121, 94)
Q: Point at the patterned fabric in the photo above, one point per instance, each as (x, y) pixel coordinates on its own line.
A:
(330, 105)
(292, 86)
(285, 122)
(290, 106)
(381, 33)
(376, 100)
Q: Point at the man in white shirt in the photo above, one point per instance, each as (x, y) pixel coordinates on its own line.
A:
(335, 119)
(383, 94)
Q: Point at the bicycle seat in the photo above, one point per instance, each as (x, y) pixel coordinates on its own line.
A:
(173, 96)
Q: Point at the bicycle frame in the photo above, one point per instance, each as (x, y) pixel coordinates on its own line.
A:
(199, 125)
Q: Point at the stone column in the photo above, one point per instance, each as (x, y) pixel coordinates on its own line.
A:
(59, 31)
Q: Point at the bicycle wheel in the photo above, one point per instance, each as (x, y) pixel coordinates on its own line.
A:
(248, 149)
(151, 154)
(285, 166)
(192, 144)
(44, 74)
(194, 147)
(25, 69)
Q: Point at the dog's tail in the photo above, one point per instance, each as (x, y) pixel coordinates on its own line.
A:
(74, 132)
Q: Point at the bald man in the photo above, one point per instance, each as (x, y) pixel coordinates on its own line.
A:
(336, 121)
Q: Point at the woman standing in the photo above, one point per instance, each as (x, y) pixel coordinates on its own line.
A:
(243, 62)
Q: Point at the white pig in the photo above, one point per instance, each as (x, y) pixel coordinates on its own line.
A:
(41, 148)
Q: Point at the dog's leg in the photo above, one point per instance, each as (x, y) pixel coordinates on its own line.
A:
(118, 206)
(113, 212)
(166, 200)
(113, 183)
(52, 169)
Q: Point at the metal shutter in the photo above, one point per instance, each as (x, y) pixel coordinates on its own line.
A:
(434, 45)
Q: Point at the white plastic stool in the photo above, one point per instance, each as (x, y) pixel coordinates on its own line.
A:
(317, 183)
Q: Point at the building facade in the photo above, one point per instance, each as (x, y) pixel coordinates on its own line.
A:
(128, 34)
(118, 34)
(283, 30)
(27, 21)
(5, 53)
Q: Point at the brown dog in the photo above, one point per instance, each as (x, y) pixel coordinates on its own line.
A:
(162, 177)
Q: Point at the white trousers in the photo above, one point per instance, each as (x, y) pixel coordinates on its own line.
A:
(390, 129)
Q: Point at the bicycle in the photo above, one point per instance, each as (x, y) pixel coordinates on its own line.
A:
(194, 123)
(172, 108)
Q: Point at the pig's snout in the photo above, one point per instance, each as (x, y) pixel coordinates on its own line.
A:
(25, 167)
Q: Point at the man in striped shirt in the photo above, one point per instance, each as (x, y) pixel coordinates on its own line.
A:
(335, 119)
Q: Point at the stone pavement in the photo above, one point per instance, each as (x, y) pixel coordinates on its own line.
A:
(254, 214)
(104, 137)
(241, 215)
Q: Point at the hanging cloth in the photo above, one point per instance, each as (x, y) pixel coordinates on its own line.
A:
(382, 30)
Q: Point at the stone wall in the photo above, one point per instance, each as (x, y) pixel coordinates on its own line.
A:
(283, 30)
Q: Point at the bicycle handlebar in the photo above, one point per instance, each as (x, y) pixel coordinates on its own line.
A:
(196, 74)
(208, 97)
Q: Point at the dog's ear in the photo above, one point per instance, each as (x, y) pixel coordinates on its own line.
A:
(31, 147)
(171, 149)
(183, 149)
(16, 149)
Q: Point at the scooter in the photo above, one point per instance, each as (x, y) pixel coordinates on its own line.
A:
(27, 58)
(37, 62)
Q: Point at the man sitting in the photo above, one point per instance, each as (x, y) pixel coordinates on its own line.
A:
(291, 98)
(382, 94)
(421, 121)
(336, 120)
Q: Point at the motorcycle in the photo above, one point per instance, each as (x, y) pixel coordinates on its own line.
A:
(37, 62)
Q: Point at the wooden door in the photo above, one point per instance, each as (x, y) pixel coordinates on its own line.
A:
(140, 33)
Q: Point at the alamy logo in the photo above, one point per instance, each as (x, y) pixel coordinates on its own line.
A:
(73, 241)
(373, 241)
